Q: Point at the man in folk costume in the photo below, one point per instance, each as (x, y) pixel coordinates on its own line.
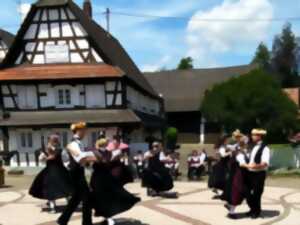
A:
(78, 159)
(258, 165)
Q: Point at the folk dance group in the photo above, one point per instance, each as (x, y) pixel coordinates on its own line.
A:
(241, 172)
(105, 193)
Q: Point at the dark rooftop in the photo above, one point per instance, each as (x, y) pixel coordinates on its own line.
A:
(183, 90)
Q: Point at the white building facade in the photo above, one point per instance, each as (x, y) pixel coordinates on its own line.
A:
(63, 68)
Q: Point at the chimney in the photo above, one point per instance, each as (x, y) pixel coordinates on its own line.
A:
(87, 8)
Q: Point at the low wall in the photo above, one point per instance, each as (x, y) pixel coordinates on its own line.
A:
(285, 157)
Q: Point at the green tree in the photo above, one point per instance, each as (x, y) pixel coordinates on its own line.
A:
(185, 64)
(284, 56)
(171, 138)
(262, 56)
(252, 100)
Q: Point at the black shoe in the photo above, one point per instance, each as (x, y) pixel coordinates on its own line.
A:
(105, 222)
(249, 214)
(255, 216)
(60, 223)
(216, 197)
(222, 197)
(232, 216)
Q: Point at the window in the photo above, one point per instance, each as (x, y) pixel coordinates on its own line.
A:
(64, 97)
(26, 139)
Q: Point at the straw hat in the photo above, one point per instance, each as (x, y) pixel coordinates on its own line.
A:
(101, 142)
(237, 133)
(260, 132)
(78, 126)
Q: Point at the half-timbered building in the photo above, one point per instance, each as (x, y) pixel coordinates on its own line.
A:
(6, 39)
(63, 67)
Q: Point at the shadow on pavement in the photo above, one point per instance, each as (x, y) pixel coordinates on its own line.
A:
(6, 186)
(126, 221)
(270, 213)
(264, 214)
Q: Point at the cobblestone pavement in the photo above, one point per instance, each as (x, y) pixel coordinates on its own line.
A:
(193, 207)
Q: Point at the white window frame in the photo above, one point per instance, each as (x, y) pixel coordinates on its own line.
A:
(26, 139)
(66, 101)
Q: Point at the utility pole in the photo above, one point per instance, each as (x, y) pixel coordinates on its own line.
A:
(107, 13)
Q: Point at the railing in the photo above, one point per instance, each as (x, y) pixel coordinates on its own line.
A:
(25, 159)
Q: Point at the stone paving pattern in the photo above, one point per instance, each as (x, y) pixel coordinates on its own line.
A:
(194, 207)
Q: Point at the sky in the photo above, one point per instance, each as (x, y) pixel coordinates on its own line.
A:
(157, 43)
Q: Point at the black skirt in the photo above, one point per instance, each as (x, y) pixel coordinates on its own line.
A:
(156, 176)
(219, 174)
(122, 172)
(53, 182)
(236, 187)
(108, 194)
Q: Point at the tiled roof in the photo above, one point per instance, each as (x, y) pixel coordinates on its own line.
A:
(67, 117)
(59, 71)
(183, 90)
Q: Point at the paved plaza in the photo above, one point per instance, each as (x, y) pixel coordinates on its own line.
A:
(194, 207)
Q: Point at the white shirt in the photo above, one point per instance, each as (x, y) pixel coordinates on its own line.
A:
(240, 158)
(223, 152)
(265, 157)
(139, 159)
(116, 153)
(76, 149)
(233, 147)
(194, 161)
(197, 161)
(147, 154)
(162, 156)
(202, 158)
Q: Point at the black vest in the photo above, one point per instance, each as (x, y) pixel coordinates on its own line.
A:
(259, 153)
(73, 165)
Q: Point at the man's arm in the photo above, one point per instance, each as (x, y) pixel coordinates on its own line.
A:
(265, 161)
(79, 156)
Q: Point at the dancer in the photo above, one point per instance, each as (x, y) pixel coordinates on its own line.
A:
(78, 159)
(259, 163)
(54, 181)
(109, 196)
(139, 163)
(118, 150)
(236, 187)
(156, 177)
(217, 179)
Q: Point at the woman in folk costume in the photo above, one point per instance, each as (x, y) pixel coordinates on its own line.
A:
(54, 181)
(156, 177)
(217, 178)
(236, 187)
(108, 194)
(121, 167)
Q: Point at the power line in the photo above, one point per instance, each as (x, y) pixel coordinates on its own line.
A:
(150, 16)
